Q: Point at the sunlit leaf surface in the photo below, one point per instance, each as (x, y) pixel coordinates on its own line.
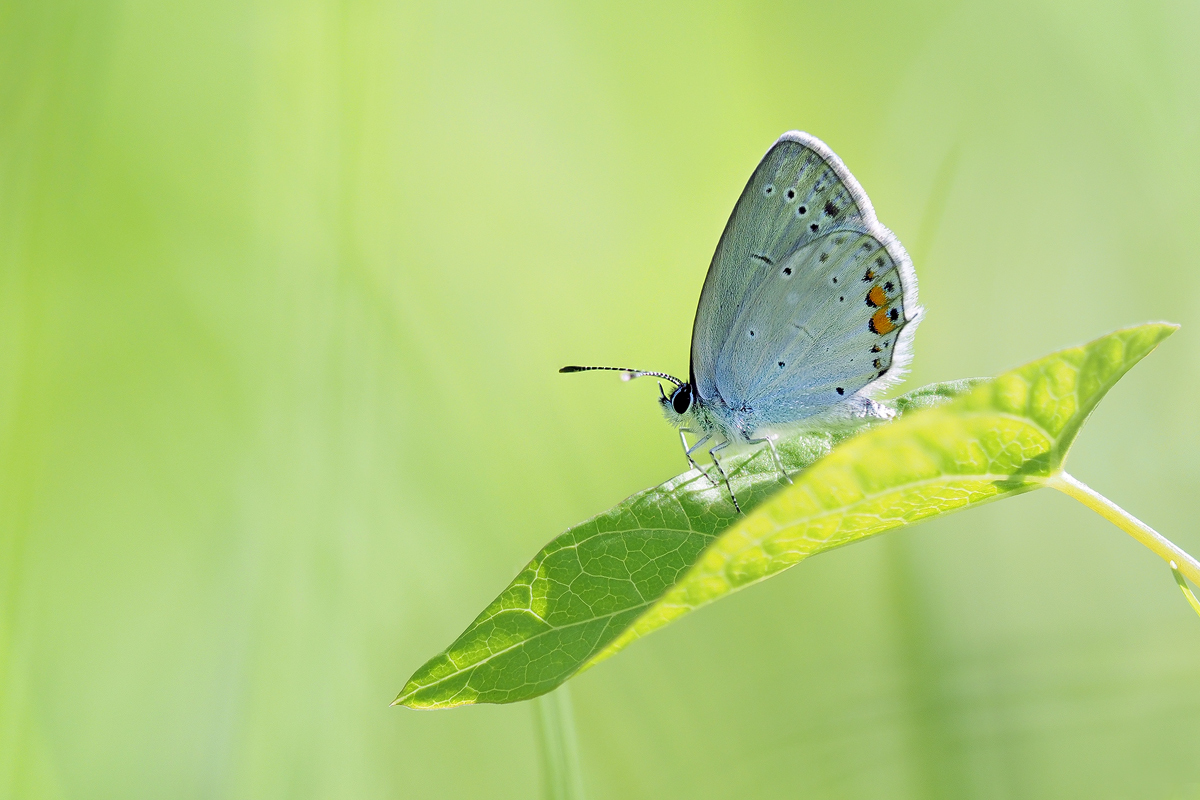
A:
(673, 548)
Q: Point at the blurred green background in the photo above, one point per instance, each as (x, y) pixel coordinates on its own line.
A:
(283, 292)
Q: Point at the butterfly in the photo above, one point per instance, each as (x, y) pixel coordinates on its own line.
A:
(808, 310)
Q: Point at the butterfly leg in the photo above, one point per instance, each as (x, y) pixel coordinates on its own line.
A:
(687, 451)
(712, 453)
(774, 455)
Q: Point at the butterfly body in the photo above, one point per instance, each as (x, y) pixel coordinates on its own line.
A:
(808, 309)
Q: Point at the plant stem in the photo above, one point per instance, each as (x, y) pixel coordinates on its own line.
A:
(1187, 590)
(561, 777)
(1167, 550)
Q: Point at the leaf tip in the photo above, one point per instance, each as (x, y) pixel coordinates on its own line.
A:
(405, 698)
(1155, 332)
(1163, 327)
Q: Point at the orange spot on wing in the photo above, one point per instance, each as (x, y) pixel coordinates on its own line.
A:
(876, 297)
(880, 323)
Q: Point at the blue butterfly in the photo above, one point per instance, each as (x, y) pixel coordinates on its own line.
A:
(809, 309)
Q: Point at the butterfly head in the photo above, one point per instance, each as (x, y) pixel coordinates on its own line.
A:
(677, 405)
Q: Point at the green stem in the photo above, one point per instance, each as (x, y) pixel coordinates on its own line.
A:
(561, 777)
(1187, 590)
(1165, 549)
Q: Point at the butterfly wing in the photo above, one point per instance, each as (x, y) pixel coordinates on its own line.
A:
(809, 303)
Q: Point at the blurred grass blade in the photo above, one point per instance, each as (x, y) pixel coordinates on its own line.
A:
(671, 549)
(554, 718)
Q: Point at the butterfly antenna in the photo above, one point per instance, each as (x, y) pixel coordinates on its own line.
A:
(629, 374)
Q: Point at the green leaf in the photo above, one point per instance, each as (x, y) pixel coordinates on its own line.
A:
(668, 550)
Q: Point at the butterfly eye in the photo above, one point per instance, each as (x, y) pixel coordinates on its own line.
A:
(681, 401)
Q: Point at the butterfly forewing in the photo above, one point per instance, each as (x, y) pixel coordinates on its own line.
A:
(807, 295)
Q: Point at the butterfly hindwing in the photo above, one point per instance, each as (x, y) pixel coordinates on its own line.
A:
(809, 301)
(845, 315)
